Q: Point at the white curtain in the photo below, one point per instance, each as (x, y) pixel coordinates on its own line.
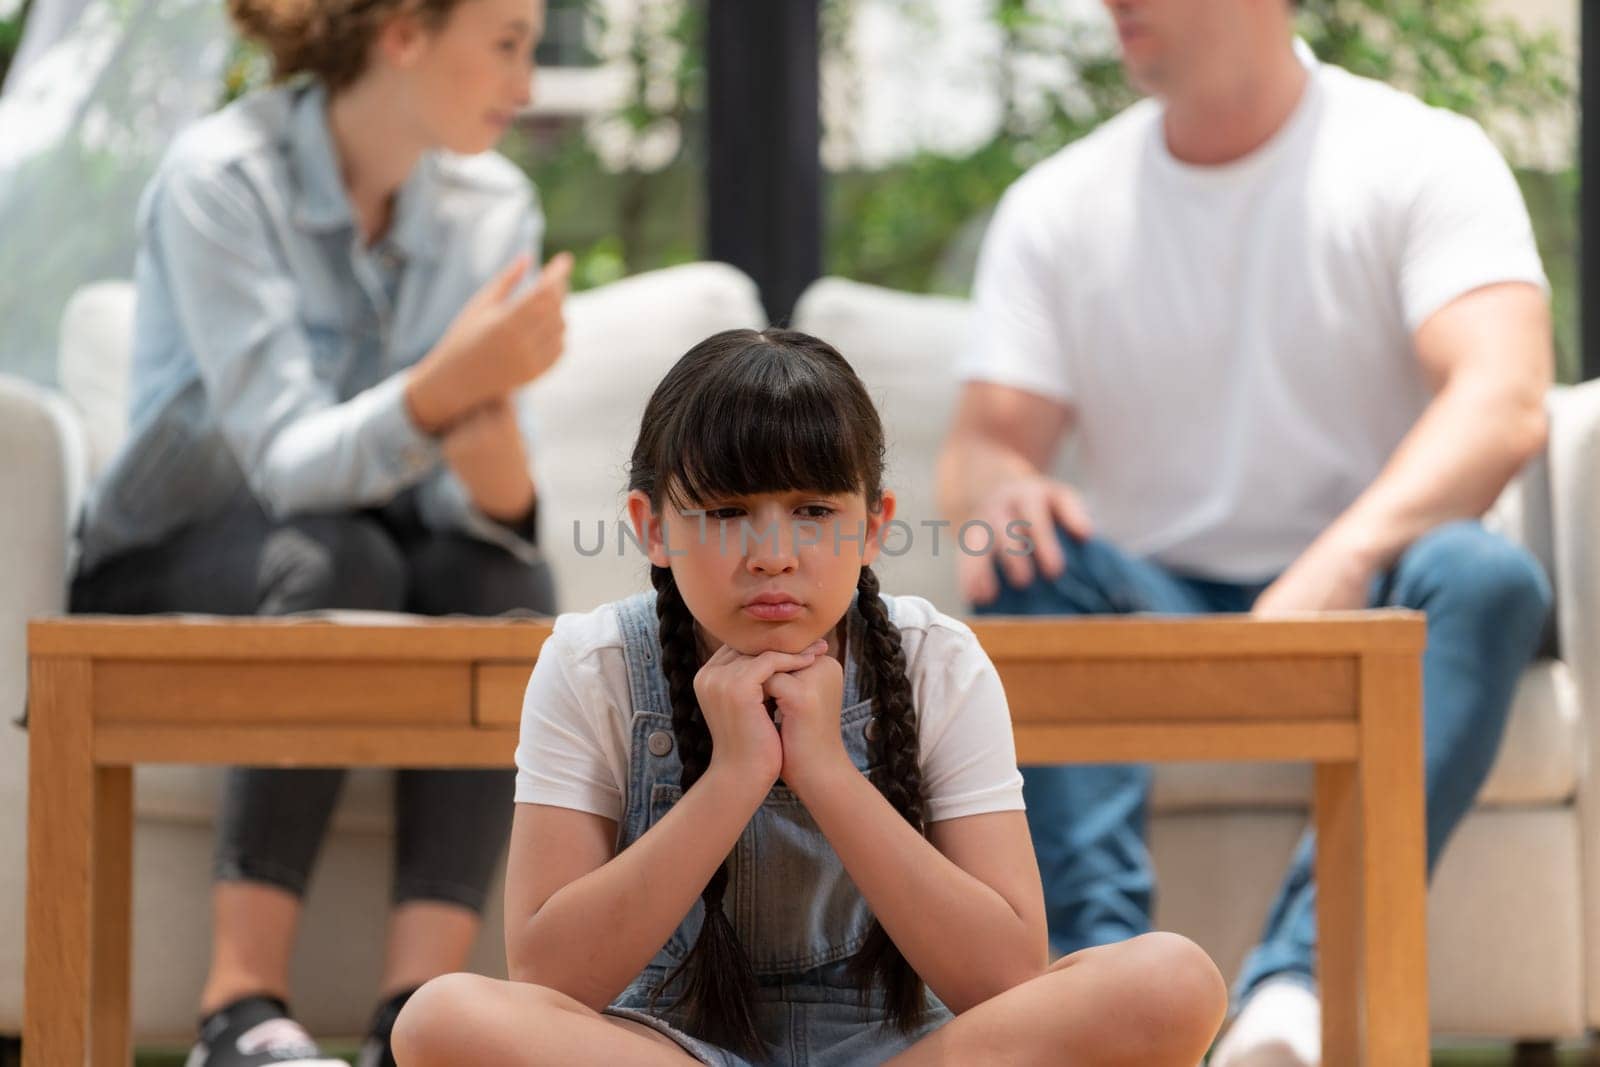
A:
(96, 91)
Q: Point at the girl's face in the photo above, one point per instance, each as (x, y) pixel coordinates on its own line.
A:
(466, 80)
(767, 572)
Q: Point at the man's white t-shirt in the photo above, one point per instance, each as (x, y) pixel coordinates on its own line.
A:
(1235, 341)
(577, 717)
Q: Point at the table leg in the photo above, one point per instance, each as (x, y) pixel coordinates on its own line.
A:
(60, 861)
(1394, 838)
(113, 930)
(1339, 880)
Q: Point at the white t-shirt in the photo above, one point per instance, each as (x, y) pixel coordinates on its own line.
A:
(577, 716)
(1236, 341)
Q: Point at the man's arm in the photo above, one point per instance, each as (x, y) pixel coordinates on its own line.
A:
(998, 432)
(992, 468)
(1488, 355)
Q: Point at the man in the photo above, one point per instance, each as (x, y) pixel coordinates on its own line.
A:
(1296, 325)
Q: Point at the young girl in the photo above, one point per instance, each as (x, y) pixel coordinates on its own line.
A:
(326, 343)
(769, 815)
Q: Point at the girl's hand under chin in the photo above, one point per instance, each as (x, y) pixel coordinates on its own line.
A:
(809, 701)
(731, 690)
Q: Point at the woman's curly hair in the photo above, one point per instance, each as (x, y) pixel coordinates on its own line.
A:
(328, 39)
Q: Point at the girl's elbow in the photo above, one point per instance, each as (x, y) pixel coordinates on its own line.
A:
(522, 958)
(531, 969)
(526, 964)
(519, 971)
(1003, 977)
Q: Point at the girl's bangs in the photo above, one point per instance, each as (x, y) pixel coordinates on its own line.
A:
(771, 425)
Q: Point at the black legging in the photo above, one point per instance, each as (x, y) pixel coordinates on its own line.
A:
(450, 825)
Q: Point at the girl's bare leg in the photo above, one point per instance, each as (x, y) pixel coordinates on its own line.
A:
(466, 1018)
(1154, 1001)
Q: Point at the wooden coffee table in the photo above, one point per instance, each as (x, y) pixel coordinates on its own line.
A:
(1342, 692)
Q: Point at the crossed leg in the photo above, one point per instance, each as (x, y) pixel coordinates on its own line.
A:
(1153, 1001)
(467, 1018)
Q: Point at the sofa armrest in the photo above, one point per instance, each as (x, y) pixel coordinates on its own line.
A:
(41, 488)
(1574, 472)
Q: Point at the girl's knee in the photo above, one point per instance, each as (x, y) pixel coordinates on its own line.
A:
(1192, 992)
(428, 1028)
(468, 1018)
(1176, 990)
(1152, 1001)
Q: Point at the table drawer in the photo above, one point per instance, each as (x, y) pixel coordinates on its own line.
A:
(321, 692)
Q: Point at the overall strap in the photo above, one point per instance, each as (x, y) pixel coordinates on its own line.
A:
(641, 651)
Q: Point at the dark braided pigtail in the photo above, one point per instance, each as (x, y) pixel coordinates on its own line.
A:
(894, 748)
(719, 984)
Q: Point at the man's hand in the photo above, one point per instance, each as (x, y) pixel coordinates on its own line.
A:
(1328, 576)
(1038, 504)
(486, 452)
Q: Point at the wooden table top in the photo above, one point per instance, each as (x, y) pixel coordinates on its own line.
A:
(376, 635)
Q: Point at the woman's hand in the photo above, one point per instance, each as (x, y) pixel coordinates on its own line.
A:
(731, 689)
(486, 452)
(809, 701)
(498, 341)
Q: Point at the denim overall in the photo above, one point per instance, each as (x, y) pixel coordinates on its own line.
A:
(795, 911)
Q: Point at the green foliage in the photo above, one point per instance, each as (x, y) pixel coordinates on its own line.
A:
(1449, 52)
(615, 223)
(247, 68)
(1553, 204)
(915, 225)
(11, 36)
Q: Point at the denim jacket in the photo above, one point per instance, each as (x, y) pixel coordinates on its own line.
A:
(268, 336)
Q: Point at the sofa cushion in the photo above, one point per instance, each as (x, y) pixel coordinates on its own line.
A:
(96, 349)
(903, 347)
(584, 413)
(1537, 764)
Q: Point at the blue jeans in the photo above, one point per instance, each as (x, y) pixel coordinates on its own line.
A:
(1486, 602)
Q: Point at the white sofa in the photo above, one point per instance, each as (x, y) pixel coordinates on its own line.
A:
(1515, 916)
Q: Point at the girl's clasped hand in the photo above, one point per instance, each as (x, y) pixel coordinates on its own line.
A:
(801, 743)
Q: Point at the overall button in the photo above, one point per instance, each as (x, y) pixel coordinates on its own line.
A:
(660, 743)
(871, 732)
